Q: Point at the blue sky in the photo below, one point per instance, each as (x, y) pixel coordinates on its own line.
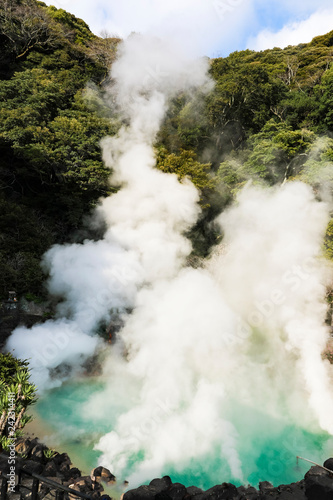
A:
(209, 27)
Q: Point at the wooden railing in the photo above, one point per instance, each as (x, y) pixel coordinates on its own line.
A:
(60, 489)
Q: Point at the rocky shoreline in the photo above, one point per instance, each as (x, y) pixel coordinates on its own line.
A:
(316, 485)
(35, 457)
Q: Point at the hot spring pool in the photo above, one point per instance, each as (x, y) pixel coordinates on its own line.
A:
(267, 450)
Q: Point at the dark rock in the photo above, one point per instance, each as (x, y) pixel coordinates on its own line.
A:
(265, 486)
(31, 466)
(74, 473)
(4, 465)
(95, 495)
(25, 494)
(318, 484)
(37, 453)
(47, 491)
(193, 491)
(50, 469)
(14, 496)
(62, 459)
(141, 493)
(177, 491)
(225, 491)
(102, 474)
(70, 474)
(328, 463)
(64, 467)
(294, 491)
(162, 495)
(84, 484)
(26, 487)
(249, 493)
(161, 484)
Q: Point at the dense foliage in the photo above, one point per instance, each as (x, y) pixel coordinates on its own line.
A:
(269, 118)
(51, 171)
(17, 393)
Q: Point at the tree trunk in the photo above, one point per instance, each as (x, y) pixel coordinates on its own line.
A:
(3, 421)
(19, 418)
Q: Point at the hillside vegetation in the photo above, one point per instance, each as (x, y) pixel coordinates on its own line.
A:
(269, 119)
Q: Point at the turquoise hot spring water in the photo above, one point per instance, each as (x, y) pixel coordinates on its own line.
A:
(267, 448)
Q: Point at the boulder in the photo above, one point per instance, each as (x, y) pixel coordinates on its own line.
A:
(62, 461)
(37, 453)
(74, 473)
(159, 489)
(193, 491)
(328, 463)
(141, 493)
(50, 469)
(84, 484)
(46, 491)
(102, 474)
(177, 491)
(265, 486)
(293, 491)
(162, 495)
(318, 484)
(225, 491)
(32, 466)
(23, 447)
(4, 465)
(161, 484)
(250, 493)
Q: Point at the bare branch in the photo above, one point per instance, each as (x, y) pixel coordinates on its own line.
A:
(25, 25)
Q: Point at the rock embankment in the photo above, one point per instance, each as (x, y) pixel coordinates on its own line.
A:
(316, 485)
(34, 457)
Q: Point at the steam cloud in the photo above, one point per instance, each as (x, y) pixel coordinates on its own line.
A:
(245, 331)
(146, 218)
(247, 328)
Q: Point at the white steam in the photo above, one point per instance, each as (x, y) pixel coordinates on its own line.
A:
(248, 329)
(244, 332)
(146, 218)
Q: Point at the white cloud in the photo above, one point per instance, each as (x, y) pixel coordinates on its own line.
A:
(294, 33)
(208, 27)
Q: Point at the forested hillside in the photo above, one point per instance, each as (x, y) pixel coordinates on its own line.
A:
(269, 118)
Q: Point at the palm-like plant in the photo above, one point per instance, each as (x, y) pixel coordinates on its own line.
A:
(14, 378)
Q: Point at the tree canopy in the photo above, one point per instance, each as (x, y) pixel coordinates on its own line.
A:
(268, 118)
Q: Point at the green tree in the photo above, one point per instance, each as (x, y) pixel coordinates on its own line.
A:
(277, 152)
(17, 393)
(186, 165)
(246, 91)
(324, 93)
(24, 26)
(328, 244)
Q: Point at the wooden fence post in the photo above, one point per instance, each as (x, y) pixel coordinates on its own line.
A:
(34, 491)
